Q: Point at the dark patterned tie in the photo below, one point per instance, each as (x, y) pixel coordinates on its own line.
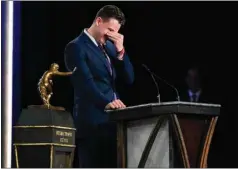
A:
(108, 64)
(107, 58)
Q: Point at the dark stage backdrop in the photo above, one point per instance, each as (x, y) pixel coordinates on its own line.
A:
(167, 36)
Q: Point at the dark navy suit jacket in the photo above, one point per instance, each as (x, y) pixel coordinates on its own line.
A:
(93, 84)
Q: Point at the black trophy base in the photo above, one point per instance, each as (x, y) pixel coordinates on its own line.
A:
(42, 157)
(44, 138)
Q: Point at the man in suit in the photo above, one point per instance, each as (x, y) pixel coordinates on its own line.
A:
(194, 92)
(98, 56)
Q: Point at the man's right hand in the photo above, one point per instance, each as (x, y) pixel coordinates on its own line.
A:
(116, 104)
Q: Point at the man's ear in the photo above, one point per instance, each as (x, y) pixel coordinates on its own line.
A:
(98, 21)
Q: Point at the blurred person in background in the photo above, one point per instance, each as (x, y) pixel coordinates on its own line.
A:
(194, 90)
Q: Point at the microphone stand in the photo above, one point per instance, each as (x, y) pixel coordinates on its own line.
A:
(156, 84)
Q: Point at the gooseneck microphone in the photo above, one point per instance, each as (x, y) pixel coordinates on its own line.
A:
(153, 74)
(156, 84)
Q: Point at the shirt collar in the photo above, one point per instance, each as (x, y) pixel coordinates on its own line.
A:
(191, 93)
(90, 37)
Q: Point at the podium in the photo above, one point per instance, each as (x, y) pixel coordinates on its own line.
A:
(165, 135)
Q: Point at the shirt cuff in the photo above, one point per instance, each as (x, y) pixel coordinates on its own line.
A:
(121, 54)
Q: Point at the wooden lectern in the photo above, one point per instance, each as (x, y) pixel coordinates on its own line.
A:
(165, 135)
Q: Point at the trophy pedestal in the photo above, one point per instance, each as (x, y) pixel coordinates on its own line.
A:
(44, 138)
(46, 107)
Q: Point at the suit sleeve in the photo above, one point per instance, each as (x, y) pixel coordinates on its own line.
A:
(82, 77)
(126, 69)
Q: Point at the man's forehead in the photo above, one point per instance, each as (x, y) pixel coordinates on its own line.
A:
(113, 24)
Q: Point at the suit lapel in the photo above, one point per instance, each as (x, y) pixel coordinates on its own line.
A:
(96, 50)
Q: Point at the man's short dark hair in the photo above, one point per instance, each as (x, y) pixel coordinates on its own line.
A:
(112, 11)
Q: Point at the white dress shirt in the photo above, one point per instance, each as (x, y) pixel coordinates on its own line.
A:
(90, 36)
(95, 42)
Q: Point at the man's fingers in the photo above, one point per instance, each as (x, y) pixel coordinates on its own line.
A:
(123, 105)
(120, 103)
(116, 40)
(115, 35)
(112, 106)
(113, 38)
(117, 103)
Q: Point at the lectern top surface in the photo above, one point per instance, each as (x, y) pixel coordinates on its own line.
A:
(177, 107)
(176, 103)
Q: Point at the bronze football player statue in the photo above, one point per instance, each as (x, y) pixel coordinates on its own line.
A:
(45, 85)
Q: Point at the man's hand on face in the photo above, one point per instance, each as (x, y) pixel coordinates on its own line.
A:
(116, 104)
(117, 38)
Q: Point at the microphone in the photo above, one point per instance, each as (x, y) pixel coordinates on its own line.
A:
(156, 84)
(153, 74)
